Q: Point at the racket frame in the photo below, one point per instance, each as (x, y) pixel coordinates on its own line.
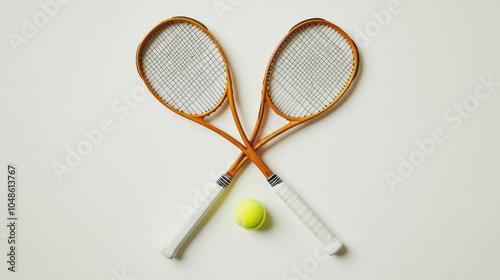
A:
(266, 98)
(228, 94)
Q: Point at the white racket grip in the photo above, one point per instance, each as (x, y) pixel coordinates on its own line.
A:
(331, 244)
(171, 249)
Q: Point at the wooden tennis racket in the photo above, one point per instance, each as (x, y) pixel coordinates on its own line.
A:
(184, 67)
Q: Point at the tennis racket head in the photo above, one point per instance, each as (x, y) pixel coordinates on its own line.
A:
(184, 67)
(310, 70)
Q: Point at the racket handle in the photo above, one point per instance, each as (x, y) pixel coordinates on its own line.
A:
(171, 249)
(331, 244)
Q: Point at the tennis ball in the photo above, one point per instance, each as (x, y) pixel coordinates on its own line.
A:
(250, 214)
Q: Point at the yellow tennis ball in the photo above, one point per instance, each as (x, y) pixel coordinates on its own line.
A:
(250, 214)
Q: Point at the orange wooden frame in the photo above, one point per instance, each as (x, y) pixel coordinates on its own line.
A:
(266, 97)
(246, 149)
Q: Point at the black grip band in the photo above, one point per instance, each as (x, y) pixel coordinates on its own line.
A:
(273, 180)
(224, 180)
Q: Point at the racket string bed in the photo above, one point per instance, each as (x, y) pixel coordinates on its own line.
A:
(184, 59)
(302, 64)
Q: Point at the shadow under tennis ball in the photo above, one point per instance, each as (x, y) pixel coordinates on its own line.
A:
(268, 223)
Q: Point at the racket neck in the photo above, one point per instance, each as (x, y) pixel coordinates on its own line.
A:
(242, 158)
(250, 153)
(258, 122)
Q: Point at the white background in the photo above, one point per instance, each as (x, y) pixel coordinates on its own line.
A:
(107, 218)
